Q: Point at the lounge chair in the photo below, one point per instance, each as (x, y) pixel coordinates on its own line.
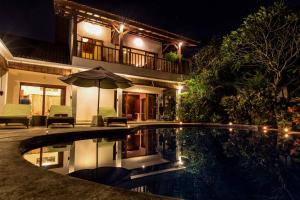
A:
(110, 116)
(61, 115)
(16, 113)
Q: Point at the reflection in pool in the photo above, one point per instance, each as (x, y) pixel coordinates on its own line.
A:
(189, 163)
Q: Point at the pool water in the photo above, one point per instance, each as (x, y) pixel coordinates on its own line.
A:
(188, 163)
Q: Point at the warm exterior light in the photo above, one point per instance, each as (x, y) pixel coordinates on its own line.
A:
(180, 44)
(92, 28)
(122, 28)
(143, 166)
(286, 130)
(230, 130)
(265, 127)
(180, 123)
(180, 128)
(128, 126)
(138, 42)
(265, 131)
(230, 123)
(85, 40)
(286, 135)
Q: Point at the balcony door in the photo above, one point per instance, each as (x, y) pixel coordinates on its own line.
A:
(42, 97)
(90, 48)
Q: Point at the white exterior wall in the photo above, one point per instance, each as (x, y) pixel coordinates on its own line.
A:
(102, 33)
(87, 102)
(146, 44)
(85, 29)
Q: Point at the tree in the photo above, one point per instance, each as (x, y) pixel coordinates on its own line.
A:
(207, 57)
(269, 40)
(269, 43)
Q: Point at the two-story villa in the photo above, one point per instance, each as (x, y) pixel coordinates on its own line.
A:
(87, 37)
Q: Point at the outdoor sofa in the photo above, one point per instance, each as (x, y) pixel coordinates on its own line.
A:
(109, 116)
(60, 115)
(16, 114)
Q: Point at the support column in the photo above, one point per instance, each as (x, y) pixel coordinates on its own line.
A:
(178, 99)
(119, 102)
(119, 154)
(160, 106)
(179, 53)
(121, 47)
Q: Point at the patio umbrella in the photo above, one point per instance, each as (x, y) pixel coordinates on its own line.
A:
(97, 77)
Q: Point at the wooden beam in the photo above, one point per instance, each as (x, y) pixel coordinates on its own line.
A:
(38, 68)
(69, 7)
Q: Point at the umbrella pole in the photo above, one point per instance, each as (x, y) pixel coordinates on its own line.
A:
(98, 107)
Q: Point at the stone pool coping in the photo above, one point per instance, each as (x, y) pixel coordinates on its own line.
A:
(21, 180)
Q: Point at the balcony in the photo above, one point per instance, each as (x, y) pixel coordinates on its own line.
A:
(130, 56)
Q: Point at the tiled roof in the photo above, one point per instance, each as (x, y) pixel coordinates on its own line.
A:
(35, 49)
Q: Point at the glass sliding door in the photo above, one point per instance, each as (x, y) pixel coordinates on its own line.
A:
(41, 97)
(53, 96)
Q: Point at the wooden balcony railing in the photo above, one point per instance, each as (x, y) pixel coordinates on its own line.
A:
(139, 60)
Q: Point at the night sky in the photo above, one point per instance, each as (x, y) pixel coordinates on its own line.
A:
(199, 20)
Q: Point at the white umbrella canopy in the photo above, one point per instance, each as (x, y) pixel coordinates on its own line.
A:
(97, 77)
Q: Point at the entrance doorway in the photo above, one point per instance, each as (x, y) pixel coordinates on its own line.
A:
(139, 106)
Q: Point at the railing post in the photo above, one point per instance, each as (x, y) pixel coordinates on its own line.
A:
(102, 53)
(154, 67)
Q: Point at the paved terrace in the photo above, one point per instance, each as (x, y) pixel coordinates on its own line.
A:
(21, 180)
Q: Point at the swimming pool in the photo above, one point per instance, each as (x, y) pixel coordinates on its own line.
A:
(188, 162)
